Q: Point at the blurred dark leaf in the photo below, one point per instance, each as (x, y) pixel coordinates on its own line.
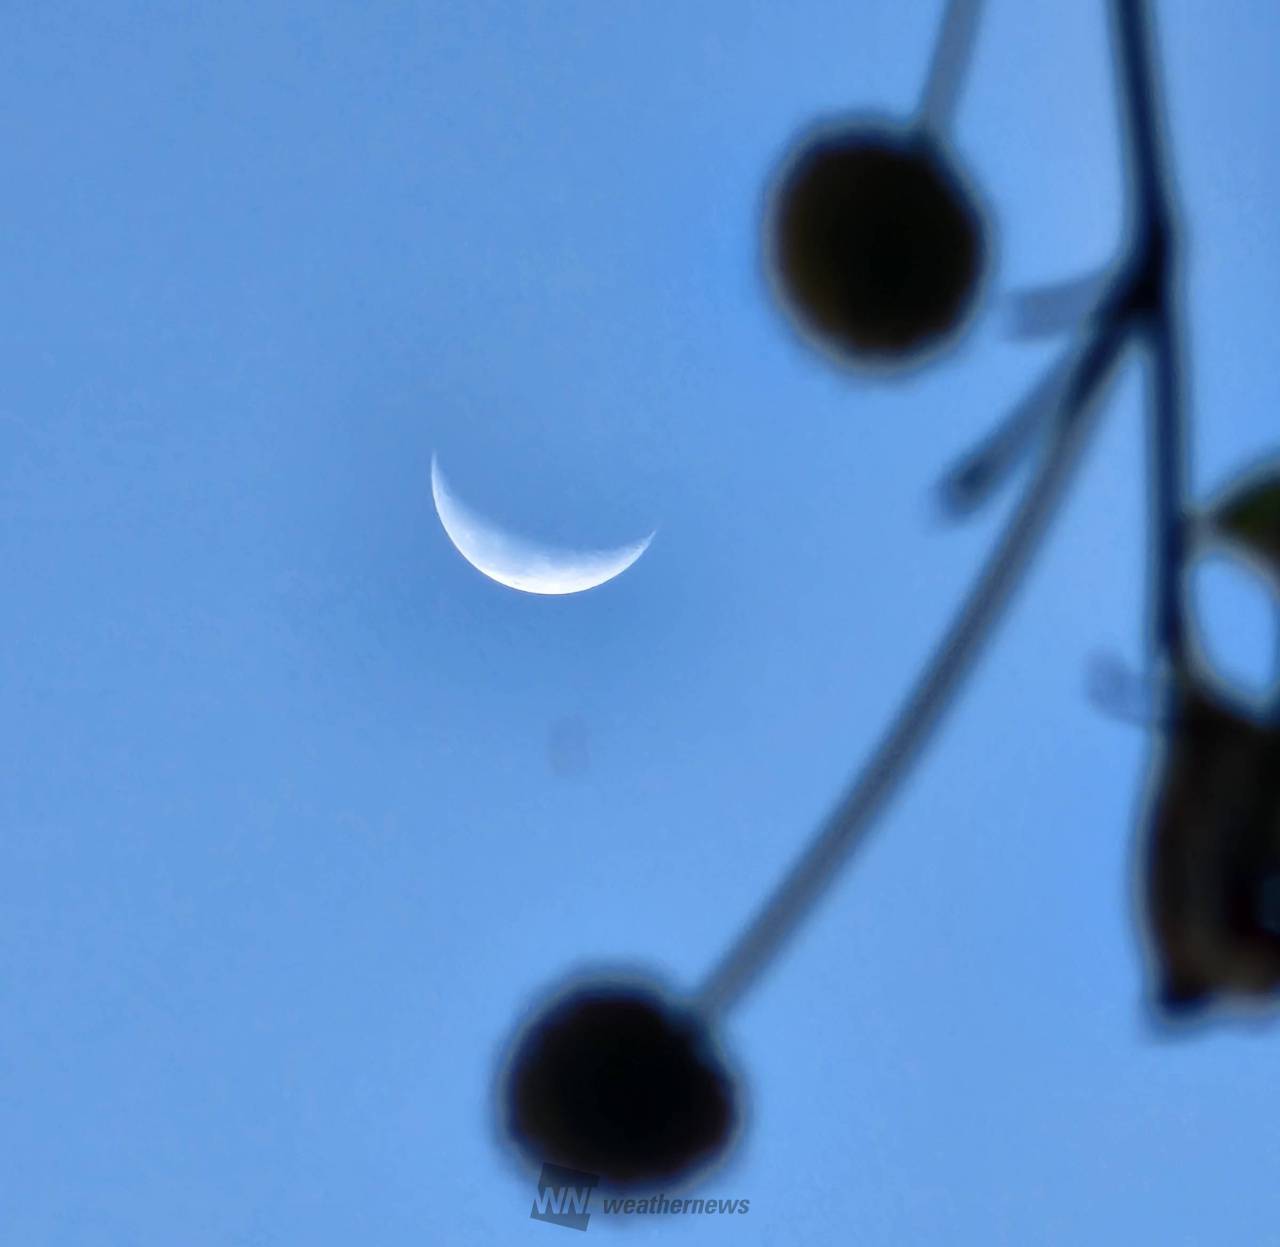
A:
(1213, 853)
(1248, 514)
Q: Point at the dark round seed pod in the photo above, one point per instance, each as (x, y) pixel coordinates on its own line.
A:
(877, 246)
(620, 1082)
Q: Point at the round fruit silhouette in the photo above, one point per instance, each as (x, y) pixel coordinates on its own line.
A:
(621, 1082)
(877, 246)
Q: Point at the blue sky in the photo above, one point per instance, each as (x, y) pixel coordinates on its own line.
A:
(299, 812)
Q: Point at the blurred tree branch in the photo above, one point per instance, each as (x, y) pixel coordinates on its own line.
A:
(1137, 306)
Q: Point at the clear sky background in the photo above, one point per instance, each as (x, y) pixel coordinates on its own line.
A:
(298, 812)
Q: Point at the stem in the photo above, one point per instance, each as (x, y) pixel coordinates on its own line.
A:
(1168, 485)
(1138, 88)
(952, 52)
(902, 743)
(972, 480)
(1153, 304)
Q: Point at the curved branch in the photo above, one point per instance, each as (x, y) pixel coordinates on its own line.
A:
(902, 743)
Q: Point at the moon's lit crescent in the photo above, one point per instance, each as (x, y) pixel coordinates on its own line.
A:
(521, 564)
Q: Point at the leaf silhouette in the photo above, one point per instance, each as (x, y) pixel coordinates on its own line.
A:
(1248, 515)
(1213, 853)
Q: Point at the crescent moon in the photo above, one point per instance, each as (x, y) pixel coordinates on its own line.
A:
(521, 564)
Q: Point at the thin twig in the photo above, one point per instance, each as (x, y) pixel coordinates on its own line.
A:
(952, 52)
(1168, 452)
(1138, 86)
(984, 468)
(1053, 308)
(1152, 305)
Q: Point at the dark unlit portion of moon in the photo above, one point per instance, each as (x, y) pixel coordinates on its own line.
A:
(877, 246)
(621, 1082)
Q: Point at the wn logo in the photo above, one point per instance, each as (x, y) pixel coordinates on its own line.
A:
(563, 1195)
